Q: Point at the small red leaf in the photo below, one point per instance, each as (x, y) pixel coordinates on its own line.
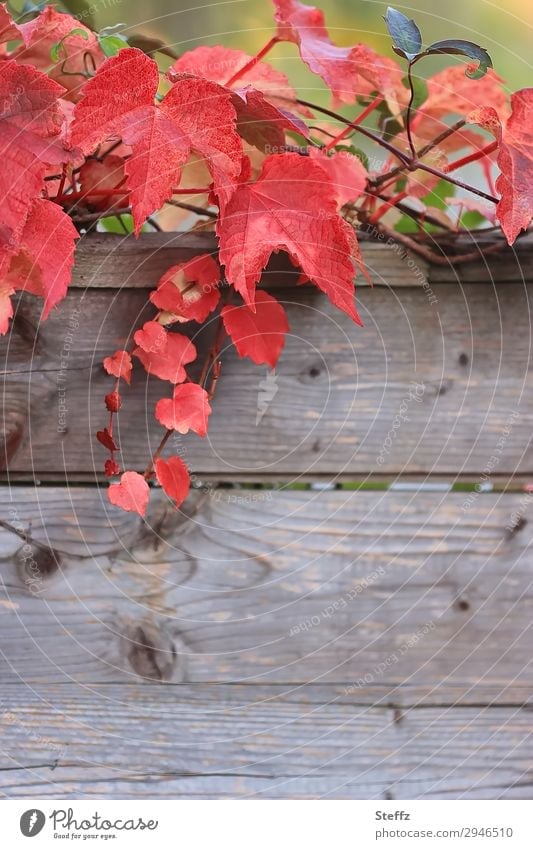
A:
(132, 493)
(105, 438)
(119, 365)
(347, 174)
(259, 335)
(189, 290)
(113, 402)
(515, 160)
(169, 355)
(173, 476)
(189, 409)
(111, 468)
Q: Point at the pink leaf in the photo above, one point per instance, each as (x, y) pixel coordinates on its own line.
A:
(173, 476)
(259, 335)
(189, 409)
(132, 493)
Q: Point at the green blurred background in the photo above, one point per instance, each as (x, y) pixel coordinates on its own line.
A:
(505, 29)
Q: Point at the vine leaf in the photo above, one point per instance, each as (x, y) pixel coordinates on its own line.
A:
(174, 477)
(163, 354)
(456, 46)
(194, 115)
(189, 291)
(291, 207)
(406, 37)
(131, 494)
(187, 410)
(119, 365)
(259, 335)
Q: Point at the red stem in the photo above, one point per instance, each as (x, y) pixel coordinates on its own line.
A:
(253, 61)
(111, 192)
(359, 120)
(472, 157)
(380, 212)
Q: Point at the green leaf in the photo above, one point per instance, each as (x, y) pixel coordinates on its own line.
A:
(111, 44)
(112, 224)
(457, 47)
(406, 37)
(55, 50)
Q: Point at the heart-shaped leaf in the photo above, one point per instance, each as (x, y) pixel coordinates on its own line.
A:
(132, 493)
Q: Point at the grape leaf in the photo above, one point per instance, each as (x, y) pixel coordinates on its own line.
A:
(46, 254)
(173, 476)
(291, 207)
(189, 290)
(188, 409)
(132, 493)
(259, 335)
(119, 365)
(163, 354)
(195, 114)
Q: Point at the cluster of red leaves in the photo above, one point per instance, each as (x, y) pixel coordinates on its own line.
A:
(80, 132)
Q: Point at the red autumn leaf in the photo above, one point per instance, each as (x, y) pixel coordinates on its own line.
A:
(291, 207)
(132, 493)
(347, 71)
(30, 124)
(105, 439)
(45, 31)
(347, 174)
(46, 254)
(263, 124)
(6, 307)
(259, 335)
(9, 31)
(119, 365)
(111, 468)
(188, 409)
(113, 401)
(194, 115)
(189, 290)
(174, 477)
(515, 161)
(97, 177)
(219, 64)
(166, 355)
(451, 92)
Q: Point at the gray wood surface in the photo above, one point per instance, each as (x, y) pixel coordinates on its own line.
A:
(311, 644)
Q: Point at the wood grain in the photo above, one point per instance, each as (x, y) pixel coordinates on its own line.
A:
(364, 589)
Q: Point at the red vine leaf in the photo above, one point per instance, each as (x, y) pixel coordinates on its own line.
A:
(194, 115)
(263, 124)
(259, 335)
(291, 207)
(347, 174)
(188, 409)
(119, 365)
(163, 354)
(50, 28)
(105, 439)
(515, 161)
(111, 468)
(189, 290)
(9, 31)
(132, 493)
(347, 71)
(6, 307)
(46, 254)
(173, 476)
(97, 177)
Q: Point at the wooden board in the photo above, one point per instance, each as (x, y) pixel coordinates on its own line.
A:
(421, 389)
(300, 645)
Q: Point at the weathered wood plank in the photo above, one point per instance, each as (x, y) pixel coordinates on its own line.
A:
(423, 388)
(198, 742)
(363, 589)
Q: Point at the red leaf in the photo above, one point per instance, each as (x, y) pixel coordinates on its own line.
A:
(9, 31)
(46, 255)
(96, 177)
(291, 207)
(6, 307)
(113, 402)
(164, 355)
(45, 31)
(220, 64)
(189, 409)
(173, 476)
(515, 161)
(105, 438)
(111, 468)
(263, 124)
(195, 114)
(132, 493)
(30, 124)
(259, 335)
(347, 71)
(346, 172)
(119, 365)
(189, 290)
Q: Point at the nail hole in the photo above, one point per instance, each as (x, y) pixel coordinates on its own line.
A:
(314, 371)
(463, 359)
(463, 605)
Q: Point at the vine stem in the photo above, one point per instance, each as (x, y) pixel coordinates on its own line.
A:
(61, 198)
(412, 164)
(409, 110)
(253, 61)
(359, 120)
(473, 157)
